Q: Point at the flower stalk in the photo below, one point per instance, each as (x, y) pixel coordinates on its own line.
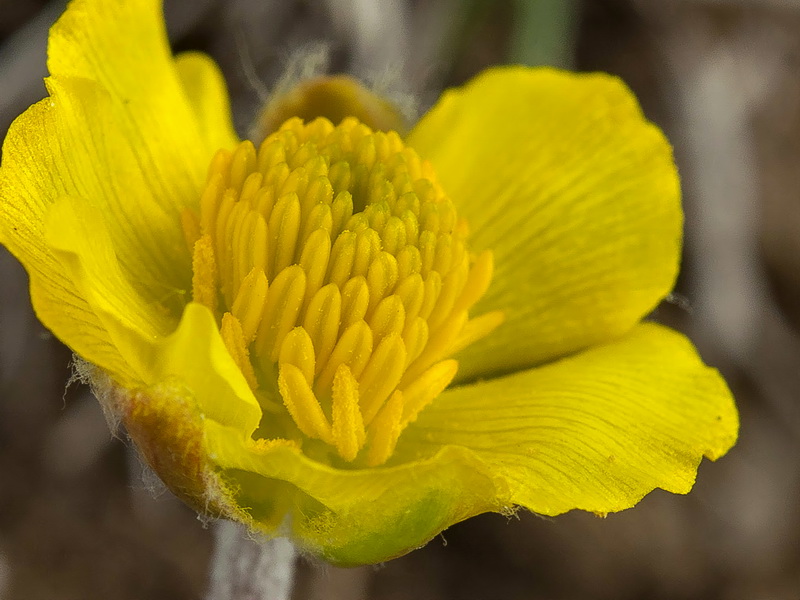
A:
(244, 568)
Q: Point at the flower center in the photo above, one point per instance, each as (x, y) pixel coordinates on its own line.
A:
(341, 281)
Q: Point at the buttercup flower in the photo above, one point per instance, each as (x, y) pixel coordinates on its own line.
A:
(352, 338)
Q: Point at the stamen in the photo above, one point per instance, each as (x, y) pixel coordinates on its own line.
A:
(234, 338)
(314, 261)
(355, 300)
(425, 388)
(302, 404)
(322, 320)
(284, 227)
(385, 430)
(298, 350)
(284, 299)
(343, 280)
(348, 426)
(249, 304)
(353, 349)
(382, 374)
(389, 317)
(204, 274)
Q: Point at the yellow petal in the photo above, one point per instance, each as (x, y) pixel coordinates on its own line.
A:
(353, 517)
(195, 357)
(154, 347)
(596, 431)
(120, 130)
(574, 192)
(59, 304)
(77, 235)
(70, 145)
(67, 146)
(206, 91)
(122, 46)
(102, 136)
(57, 301)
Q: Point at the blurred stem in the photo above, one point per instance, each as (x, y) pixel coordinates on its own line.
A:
(246, 569)
(544, 33)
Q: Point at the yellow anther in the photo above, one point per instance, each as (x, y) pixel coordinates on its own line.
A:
(296, 182)
(264, 201)
(190, 225)
(304, 154)
(275, 178)
(220, 167)
(340, 176)
(353, 349)
(368, 245)
(427, 251)
(250, 187)
(480, 275)
(411, 290)
(320, 217)
(205, 284)
(284, 227)
(209, 202)
(409, 262)
(437, 347)
(288, 135)
(302, 404)
(249, 304)
(342, 255)
(235, 342)
(320, 191)
(248, 243)
(341, 211)
(452, 285)
(382, 374)
(381, 277)
(385, 430)
(388, 317)
(409, 202)
(415, 337)
(284, 299)
(314, 260)
(365, 152)
(476, 329)
(425, 388)
(298, 350)
(322, 321)
(270, 154)
(443, 255)
(432, 287)
(256, 254)
(226, 206)
(394, 235)
(355, 300)
(230, 251)
(343, 278)
(348, 425)
(242, 164)
(378, 213)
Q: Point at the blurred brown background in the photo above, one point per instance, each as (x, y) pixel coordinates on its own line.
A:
(79, 520)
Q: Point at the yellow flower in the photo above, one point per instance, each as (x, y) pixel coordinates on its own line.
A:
(276, 329)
